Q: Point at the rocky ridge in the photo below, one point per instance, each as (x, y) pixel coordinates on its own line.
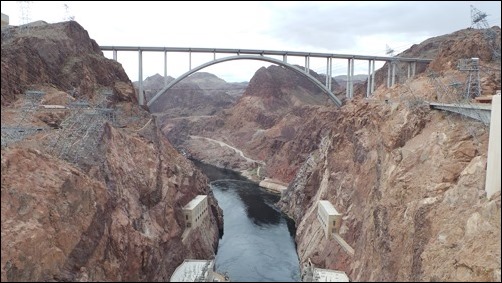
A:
(113, 215)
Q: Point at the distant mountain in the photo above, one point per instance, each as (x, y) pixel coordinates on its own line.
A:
(342, 79)
(200, 94)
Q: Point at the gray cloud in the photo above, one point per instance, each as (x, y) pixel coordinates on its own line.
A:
(333, 26)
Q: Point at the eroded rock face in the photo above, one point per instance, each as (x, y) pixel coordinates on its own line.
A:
(61, 55)
(119, 221)
(410, 185)
(115, 215)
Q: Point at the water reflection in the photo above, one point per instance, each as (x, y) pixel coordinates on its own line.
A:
(258, 240)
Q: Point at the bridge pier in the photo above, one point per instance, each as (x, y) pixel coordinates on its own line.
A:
(373, 77)
(165, 68)
(347, 88)
(388, 74)
(352, 79)
(349, 92)
(140, 78)
(189, 60)
(393, 81)
(391, 73)
(368, 84)
(307, 64)
(330, 68)
(115, 55)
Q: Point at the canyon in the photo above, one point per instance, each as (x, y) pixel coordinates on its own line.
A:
(409, 181)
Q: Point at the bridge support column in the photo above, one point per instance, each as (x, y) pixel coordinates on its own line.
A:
(307, 64)
(352, 79)
(165, 68)
(330, 72)
(327, 72)
(368, 84)
(140, 79)
(285, 58)
(115, 55)
(393, 74)
(347, 88)
(349, 93)
(189, 60)
(373, 76)
(492, 183)
(409, 70)
(413, 68)
(388, 73)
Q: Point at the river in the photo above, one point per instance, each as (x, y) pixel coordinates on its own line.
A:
(258, 239)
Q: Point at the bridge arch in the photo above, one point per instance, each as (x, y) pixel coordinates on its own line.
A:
(335, 99)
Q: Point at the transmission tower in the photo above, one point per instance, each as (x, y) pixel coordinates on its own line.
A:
(389, 51)
(472, 85)
(68, 16)
(478, 21)
(24, 6)
(25, 19)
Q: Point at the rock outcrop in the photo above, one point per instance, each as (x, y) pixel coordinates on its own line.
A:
(410, 186)
(111, 213)
(61, 55)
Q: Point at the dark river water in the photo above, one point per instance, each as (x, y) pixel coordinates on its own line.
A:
(258, 240)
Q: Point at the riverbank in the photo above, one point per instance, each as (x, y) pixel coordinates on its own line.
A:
(274, 186)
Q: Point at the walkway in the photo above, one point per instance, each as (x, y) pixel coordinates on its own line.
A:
(480, 112)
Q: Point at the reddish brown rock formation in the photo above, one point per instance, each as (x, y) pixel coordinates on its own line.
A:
(61, 55)
(113, 216)
(410, 185)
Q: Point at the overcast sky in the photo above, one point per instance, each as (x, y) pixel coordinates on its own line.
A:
(363, 28)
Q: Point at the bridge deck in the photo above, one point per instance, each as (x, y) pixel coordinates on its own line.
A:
(262, 52)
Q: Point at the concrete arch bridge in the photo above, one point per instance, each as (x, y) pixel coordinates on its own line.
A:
(265, 55)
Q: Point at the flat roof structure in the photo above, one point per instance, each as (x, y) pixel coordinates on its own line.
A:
(330, 209)
(193, 203)
(327, 275)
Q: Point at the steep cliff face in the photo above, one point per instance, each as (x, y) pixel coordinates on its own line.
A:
(120, 221)
(61, 55)
(410, 185)
(111, 213)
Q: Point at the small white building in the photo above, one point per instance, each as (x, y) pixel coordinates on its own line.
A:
(328, 275)
(329, 218)
(195, 211)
